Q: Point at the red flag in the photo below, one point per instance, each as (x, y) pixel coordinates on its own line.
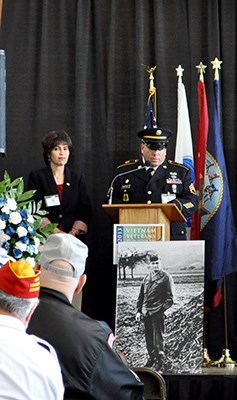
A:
(201, 146)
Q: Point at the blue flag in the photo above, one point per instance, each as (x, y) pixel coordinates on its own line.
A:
(150, 115)
(217, 222)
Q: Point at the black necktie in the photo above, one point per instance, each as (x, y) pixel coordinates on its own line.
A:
(150, 172)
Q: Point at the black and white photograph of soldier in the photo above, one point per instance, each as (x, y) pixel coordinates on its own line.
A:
(156, 295)
(159, 311)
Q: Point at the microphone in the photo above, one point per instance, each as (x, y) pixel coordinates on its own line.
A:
(111, 189)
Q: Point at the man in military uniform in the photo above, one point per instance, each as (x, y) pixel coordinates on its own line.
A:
(167, 182)
(156, 296)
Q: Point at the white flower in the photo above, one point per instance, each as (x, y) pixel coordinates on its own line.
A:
(21, 246)
(3, 238)
(15, 218)
(4, 257)
(30, 219)
(12, 204)
(21, 231)
(3, 253)
(2, 224)
(36, 250)
(5, 209)
(31, 261)
(36, 241)
(17, 239)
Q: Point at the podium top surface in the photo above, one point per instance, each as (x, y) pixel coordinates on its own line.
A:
(169, 209)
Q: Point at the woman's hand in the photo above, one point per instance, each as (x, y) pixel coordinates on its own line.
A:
(78, 228)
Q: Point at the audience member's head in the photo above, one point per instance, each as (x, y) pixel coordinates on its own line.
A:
(19, 289)
(62, 261)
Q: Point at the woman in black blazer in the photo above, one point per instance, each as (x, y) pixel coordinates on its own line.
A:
(62, 191)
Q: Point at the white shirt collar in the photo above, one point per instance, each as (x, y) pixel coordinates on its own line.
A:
(12, 322)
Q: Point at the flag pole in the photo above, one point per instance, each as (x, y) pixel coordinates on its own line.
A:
(228, 362)
(225, 359)
(150, 71)
(206, 360)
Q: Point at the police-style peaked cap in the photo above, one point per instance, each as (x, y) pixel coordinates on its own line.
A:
(155, 138)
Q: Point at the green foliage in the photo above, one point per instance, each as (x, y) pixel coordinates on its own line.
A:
(20, 220)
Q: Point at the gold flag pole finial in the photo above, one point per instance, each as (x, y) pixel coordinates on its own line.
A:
(201, 70)
(179, 71)
(150, 71)
(216, 65)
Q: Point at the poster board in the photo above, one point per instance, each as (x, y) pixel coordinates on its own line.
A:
(183, 331)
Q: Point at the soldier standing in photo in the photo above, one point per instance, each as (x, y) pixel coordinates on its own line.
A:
(155, 297)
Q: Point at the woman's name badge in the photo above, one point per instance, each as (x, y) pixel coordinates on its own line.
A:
(52, 200)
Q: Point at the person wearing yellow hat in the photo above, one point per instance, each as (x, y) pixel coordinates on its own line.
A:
(91, 368)
(29, 368)
(154, 179)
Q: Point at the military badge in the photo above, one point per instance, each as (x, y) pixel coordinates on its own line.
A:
(192, 189)
(188, 205)
(125, 197)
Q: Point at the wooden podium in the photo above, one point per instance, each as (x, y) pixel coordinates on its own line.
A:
(155, 213)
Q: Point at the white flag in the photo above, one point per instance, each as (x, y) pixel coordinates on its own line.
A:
(184, 145)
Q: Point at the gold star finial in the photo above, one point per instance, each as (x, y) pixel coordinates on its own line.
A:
(216, 65)
(201, 70)
(179, 71)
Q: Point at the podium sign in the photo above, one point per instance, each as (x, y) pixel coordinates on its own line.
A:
(155, 213)
(129, 233)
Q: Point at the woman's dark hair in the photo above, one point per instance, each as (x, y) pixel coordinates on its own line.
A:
(51, 140)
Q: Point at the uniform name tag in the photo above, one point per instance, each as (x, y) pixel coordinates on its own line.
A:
(126, 186)
(52, 200)
(166, 197)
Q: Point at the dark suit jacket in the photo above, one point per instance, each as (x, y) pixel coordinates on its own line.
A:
(89, 366)
(75, 204)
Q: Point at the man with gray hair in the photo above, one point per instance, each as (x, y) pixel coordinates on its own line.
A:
(91, 368)
(29, 367)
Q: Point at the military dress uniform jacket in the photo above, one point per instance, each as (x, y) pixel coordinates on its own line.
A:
(90, 368)
(156, 293)
(75, 204)
(169, 178)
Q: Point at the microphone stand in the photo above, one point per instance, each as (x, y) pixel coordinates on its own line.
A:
(111, 190)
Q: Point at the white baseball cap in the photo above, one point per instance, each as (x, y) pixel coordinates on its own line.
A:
(65, 247)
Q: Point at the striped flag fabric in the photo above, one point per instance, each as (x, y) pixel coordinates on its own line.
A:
(150, 115)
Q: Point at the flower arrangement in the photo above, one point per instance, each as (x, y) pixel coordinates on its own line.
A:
(20, 219)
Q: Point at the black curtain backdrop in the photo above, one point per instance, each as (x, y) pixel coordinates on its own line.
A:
(76, 64)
